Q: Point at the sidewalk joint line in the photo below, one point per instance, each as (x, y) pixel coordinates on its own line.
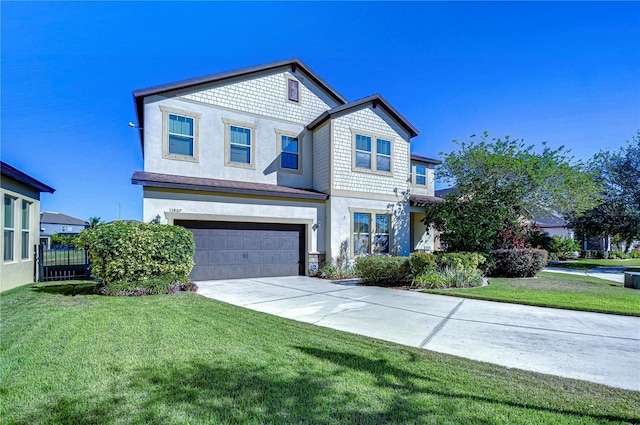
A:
(440, 325)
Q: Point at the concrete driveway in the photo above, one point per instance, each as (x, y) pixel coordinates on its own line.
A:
(601, 348)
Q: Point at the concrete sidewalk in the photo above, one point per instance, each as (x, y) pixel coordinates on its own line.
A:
(614, 274)
(601, 348)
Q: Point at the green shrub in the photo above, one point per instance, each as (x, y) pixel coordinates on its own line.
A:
(460, 260)
(635, 253)
(429, 280)
(564, 247)
(618, 254)
(167, 284)
(384, 271)
(421, 263)
(128, 251)
(461, 277)
(518, 262)
(330, 270)
(592, 254)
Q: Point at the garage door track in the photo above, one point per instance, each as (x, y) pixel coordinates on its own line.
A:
(601, 348)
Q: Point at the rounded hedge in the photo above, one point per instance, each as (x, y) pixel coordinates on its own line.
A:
(134, 251)
(518, 262)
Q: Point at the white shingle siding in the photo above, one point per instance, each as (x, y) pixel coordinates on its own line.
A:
(368, 120)
(321, 152)
(267, 95)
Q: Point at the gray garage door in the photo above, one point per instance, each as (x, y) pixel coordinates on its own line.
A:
(227, 250)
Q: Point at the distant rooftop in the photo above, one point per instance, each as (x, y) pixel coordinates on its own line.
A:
(51, 217)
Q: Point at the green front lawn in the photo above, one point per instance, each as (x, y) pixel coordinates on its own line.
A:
(71, 357)
(557, 290)
(585, 264)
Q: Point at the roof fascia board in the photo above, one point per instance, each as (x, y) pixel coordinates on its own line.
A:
(17, 175)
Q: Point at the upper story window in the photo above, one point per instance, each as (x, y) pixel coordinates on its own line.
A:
(371, 153)
(420, 175)
(290, 154)
(293, 90)
(9, 210)
(239, 144)
(180, 134)
(26, 210)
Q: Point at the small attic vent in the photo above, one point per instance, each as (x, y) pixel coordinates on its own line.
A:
(293, 90)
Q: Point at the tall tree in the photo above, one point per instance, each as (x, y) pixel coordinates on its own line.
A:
(498, 181)
(95, 222)
(618, 215)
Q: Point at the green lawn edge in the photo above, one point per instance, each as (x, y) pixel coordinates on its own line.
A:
(71, 357)
(590, 294)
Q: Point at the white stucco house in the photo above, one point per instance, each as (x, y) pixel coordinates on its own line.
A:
(273, 170)
(21, 225)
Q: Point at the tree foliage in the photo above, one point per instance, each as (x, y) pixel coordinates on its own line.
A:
(500, 181)
(618, 215)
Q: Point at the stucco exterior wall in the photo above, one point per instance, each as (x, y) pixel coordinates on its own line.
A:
(173, 205)
(19, 271)
(420, 239)
(260, 102)
(369, 121)
(340, 209)
(321, 157)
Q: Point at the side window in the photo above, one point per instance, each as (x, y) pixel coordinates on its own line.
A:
(180, 131)
(383, 155)
(420, 175)
(361, 233)
(239, 146)
(26, 210)
(381, 234)
(9, 211)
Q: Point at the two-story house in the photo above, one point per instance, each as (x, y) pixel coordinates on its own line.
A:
(273, 171)
(52, 223)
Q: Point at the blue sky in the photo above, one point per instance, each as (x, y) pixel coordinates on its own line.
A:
(565, 73)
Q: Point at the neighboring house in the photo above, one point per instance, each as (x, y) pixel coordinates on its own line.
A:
(62, 224)
(554, 225)
(274, 171)
(20, 212)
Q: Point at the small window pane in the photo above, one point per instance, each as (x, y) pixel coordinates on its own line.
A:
(241, 154)
(180, 145)
(240, 136)
(384, 147)
(381, 244)
(421, 180)
(361, 234)
(8, 245)
(361, 223)
(289, 144)
(363, 143)
(363, 160)
(181, 125)
(8, 211)
(25, 215)
(383, 163)
(421, 170)
(289, 160)
(25, 245)
(382, 224)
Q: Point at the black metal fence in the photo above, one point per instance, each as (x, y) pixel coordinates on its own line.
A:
(61, 262)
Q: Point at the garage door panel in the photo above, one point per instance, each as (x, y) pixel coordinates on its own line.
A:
(226, 250)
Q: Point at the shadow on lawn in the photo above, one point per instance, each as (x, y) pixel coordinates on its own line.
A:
(326, 393)
(69, 289)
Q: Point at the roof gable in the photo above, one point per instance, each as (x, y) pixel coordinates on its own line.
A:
(59, 218)
(375, 101)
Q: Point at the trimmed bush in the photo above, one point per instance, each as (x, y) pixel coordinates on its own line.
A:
(128, 251)
(422, 263)
(460, 260)
(518, 262)
(384, 271)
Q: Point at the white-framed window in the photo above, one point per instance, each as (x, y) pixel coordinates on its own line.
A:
(293, 90)
(239, 144)
(371, 233)
(372, 153)
(420, 175)
(26, 214)
(9, 220)
(180, 133)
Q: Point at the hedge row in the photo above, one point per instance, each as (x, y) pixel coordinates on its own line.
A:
(128, 251)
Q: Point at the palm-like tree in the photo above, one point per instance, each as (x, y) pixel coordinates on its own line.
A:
(94, 222)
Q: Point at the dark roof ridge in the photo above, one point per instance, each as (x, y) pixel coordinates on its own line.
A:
(377, 100)
(416, 157)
